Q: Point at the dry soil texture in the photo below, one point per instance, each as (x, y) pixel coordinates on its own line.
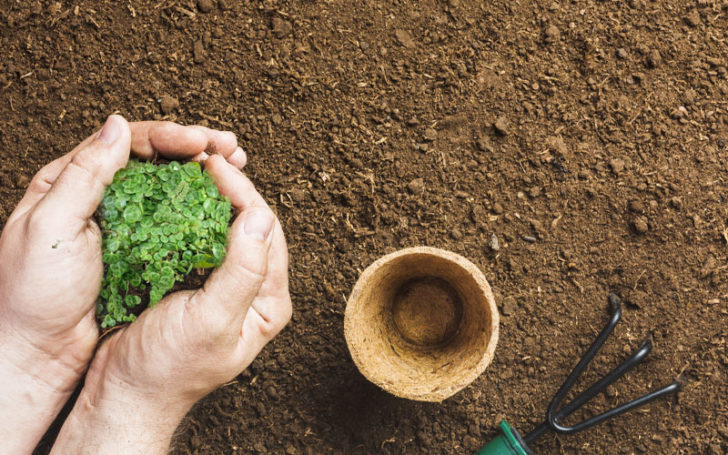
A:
(588, 136)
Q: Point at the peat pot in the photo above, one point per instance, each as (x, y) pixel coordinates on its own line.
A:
(421, 323)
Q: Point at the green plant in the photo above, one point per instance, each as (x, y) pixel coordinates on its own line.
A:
(158, 222)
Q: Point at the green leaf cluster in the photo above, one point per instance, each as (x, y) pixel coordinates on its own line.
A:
(158, 222)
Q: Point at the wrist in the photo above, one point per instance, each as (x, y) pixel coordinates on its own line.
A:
(33, 389)
(55, 361)
(107, 419)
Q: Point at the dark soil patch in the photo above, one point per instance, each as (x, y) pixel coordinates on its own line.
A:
(588, 136)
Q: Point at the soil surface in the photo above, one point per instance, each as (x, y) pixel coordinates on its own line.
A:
(568, 148)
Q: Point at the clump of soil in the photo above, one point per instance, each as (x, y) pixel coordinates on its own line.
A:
(372, 126)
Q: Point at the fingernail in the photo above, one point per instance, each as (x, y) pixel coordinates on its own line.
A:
(110, 132)
(258, 224)
(239, 158)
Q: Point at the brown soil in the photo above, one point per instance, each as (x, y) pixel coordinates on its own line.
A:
(588, 136)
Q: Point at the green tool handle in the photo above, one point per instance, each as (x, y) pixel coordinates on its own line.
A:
(509, 442)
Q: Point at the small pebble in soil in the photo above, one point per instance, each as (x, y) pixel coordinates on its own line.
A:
(272, 392)
(413, 121)
(416, 186)
(654, 59)
(529, 238)
(205, 5)
(636, 206)
(168, 103)
(557, 145)
(552, 33)
(621, 53)
(281, 27)
(478, 214)
(498, 208)
(21, 181)
(676, 203)
(297, 194)
(198, 52)
(616, 165)
(693, 18)
(680, 113)
(610, 391)
(640, 225)
(689, 97)
(404, 38)
(494, 244)
(484, 144)
(509, 306)
(501, 125)
(430, 134)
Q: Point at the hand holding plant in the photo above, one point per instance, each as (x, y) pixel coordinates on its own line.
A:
(51, 267)
(145, 378)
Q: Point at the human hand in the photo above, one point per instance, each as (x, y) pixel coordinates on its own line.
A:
(144, 379)
(50, 268)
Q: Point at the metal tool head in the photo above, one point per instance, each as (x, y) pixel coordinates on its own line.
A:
(557, 413)
(512, 443)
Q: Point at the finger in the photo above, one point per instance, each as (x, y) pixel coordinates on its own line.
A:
(201, 157)
(228, 293)
(41, 183)
(77, 192)
(239, 158)
(44, 179)
(234, 184)
(168, 139)
(223, 143)
(271, 309)
(276, 309)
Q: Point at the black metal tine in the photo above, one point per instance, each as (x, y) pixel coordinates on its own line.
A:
(671, 388)
(569, 383)
(536, 433)
(553, 416)
(600, 385)
(588, 356)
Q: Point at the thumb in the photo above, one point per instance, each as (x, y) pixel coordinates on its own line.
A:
(79, 188)
(230, 290)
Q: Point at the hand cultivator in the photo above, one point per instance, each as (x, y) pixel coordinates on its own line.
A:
(510, 442)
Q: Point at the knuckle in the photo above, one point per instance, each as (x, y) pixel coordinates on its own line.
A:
(248, 272)
(42, 181)
(269, 329)
(86, 163)
(272, 326)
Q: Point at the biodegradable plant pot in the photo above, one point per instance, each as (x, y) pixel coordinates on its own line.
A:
(421, 323)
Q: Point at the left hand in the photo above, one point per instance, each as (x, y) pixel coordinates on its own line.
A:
(51, 269)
